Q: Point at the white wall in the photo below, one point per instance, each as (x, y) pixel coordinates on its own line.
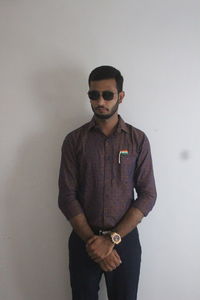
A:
(47, 49)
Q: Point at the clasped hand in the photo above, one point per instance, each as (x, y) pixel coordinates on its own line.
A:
(100, 249)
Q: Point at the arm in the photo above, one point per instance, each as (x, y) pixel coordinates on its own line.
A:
(70, 206)
(81, 227)
(101, 247)
(68, 181)
(131, 219)
(146, 196)
(145, 188)
(68, 187)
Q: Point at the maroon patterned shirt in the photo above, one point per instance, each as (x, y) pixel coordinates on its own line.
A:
(100, 174)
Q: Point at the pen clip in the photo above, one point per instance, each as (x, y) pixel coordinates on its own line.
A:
(122, 152)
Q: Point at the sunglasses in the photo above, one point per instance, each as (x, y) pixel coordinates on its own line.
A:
(95, 95)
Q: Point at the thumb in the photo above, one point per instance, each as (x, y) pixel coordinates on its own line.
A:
(91, 240)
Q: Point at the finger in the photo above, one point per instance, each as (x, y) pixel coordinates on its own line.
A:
(97, 259)
(93, 256)
(90, 249)
(116, 254)
(117, 257)
(111, 265)
(104, 268)
(114, 259)
(91, 240)
(90, 252)
(114, 263)
(110, 269)
(107, 269)
(107, 265)
(117, 262)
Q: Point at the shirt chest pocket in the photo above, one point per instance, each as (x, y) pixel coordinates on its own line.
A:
(126, 167)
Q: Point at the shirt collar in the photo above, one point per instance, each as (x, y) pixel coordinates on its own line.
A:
(121, 125)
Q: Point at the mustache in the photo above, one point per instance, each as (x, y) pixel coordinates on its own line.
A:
(98, 107)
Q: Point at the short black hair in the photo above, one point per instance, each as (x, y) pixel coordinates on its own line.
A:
(107, 72)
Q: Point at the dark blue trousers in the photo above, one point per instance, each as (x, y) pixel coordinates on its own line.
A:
(85, 274)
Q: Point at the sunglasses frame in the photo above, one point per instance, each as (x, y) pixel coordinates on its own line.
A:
(101, 94)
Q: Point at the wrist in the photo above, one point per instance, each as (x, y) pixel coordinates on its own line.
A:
(115, 237)
(109, 240)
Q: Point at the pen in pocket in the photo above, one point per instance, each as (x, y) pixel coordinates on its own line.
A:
(123, 153)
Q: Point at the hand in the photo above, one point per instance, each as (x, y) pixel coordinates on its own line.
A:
(98, 247)
(110, 262)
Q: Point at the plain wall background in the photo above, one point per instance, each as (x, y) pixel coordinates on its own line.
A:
(47, 49)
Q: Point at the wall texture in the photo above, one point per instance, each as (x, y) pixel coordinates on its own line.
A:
(47, 49)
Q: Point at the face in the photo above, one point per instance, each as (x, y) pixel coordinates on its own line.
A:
(102, 108)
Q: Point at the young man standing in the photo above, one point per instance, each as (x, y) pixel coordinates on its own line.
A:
(103, 163)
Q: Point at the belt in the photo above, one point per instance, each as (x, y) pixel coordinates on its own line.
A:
(100, 231)
(103, 232)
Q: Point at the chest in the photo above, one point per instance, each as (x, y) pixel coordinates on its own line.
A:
(115, 155)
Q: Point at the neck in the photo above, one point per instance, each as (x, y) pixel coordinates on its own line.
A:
(107, 125)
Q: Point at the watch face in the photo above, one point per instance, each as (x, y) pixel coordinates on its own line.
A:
(116, 238)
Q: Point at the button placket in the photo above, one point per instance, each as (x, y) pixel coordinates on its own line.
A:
(106, 176)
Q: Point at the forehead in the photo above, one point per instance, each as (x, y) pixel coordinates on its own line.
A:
(104, 84)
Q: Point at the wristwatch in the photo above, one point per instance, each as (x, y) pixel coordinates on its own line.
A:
(115, 237)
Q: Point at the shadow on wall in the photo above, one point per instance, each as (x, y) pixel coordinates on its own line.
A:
(38, 244)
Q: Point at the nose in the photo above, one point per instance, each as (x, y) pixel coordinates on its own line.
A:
(100, 100)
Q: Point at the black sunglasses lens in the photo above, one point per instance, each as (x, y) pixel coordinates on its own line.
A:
(93, 95)
(108, 95)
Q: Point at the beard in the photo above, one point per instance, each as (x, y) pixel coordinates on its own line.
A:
(106, 116)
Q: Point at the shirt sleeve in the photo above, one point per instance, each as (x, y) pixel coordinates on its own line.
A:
(144, 179)
(68, 181)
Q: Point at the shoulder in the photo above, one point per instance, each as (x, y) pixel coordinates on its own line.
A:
(75, 135)
(137, 137)
(135, 132)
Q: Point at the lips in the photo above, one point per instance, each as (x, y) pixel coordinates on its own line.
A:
(101, 109)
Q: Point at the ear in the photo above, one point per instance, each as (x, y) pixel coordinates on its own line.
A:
(121, 96)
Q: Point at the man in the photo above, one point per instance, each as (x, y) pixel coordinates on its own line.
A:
(103, 162)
